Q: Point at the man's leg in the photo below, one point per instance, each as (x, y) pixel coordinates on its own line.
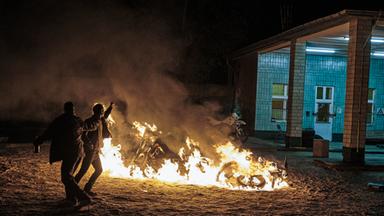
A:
(71, 187)
(66, 173)
(96, 163)
(87, 160)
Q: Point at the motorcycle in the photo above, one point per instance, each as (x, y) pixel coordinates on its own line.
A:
(253, 180)
(238, 129)
(152, 152)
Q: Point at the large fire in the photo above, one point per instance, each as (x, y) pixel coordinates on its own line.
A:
(236, 169)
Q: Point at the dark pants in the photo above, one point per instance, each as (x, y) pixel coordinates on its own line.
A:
(72, 190)
(91, 157)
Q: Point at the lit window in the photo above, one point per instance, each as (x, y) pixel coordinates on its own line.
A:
(319, 93)
(278, 90)
(328, 93)
(279, 102)
(371, 97)
(324, 93)
(323, 113)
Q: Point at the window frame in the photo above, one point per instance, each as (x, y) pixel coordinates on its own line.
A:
(372, 102)
(283, 98)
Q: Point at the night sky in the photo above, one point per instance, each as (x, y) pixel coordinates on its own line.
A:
(211, 29)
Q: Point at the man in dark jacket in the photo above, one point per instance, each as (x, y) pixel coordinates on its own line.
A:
(93, 141)
(66, 146)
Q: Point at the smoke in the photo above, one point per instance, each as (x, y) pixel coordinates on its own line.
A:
(79, 55)
(89, 56)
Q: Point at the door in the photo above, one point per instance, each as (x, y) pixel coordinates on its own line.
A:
(323, 111)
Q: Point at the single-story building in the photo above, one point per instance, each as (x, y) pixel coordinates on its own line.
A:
(326, 75)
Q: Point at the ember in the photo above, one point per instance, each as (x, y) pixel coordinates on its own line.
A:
(237, 169)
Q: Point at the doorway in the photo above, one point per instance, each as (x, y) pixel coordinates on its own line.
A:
(323, 111)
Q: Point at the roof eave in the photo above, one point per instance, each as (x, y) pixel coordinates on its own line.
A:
(305, 29)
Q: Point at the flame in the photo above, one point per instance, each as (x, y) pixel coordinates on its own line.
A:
(236, 169)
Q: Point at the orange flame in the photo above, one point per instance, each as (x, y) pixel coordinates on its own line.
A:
(237, 169)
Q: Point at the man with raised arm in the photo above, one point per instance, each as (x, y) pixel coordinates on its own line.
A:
(93, 141)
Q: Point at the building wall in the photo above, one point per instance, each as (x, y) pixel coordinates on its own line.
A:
(376, 81)
(273, 67)
(321, 70)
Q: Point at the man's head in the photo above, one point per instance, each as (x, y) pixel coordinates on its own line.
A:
(98, 109)
(68, 107)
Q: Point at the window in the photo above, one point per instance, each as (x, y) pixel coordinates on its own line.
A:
(323, 112)
(319, 93)
(328, 93)
(279, 102)
(371, 97)
(324, 93)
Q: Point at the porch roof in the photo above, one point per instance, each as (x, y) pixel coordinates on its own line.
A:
(283, 39)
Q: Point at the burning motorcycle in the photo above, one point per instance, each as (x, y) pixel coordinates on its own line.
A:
(237, 169)
(152, 152)
(231, 174)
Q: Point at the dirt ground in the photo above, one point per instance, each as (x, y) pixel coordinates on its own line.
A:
(30, 186)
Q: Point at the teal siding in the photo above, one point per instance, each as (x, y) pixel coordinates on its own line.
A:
(325, 71)
(321, 70)
(273, 67)
(376, 81)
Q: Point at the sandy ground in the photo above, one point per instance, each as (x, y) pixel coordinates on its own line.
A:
(30, 186)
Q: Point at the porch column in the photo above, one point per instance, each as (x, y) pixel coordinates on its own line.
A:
(356, 98)
(295, 94)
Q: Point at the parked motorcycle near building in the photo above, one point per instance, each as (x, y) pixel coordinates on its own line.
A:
(237, 127)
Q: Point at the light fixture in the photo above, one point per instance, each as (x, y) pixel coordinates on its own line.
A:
(373, 39)
(378, 53)
(319, 50)
(377, 40)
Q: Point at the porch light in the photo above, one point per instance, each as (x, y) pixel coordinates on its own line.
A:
(377, 40)
(378, 53)
(319, 50)
(373, 40)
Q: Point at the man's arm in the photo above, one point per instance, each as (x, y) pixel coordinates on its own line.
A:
(47, 134)
(108, 111)
(91, 124)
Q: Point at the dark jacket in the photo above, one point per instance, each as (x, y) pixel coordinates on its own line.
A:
(93, 140)
(65, 135)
